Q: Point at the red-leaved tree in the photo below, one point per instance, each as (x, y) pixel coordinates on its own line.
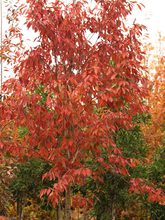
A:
(80, 84)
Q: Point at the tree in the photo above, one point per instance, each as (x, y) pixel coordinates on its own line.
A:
(27, 182)
(111, 196)
(71, 93)
(156, 174)
(153, 131)
(5, 179)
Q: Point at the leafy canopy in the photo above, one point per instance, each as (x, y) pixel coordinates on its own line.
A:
(72, 93)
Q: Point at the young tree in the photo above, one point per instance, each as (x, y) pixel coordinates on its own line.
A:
(80, 84)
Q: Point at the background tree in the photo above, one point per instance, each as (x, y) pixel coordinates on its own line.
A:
(156, 172)
(154, 130)
(112, 199)
(5, 179)
(27, 183)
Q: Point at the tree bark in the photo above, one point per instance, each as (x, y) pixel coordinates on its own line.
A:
(85, 214)
(59, 212)
(113, 213)
(112, 209)
(67, 213)
(19, 209)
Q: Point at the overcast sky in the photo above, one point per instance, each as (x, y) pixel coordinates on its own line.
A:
(153, 16)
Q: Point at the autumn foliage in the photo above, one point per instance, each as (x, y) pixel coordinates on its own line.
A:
(82, 82)
(154, 130)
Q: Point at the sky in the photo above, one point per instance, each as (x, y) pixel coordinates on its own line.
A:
(153, 16)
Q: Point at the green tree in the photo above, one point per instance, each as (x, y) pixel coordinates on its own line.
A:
(156, 173)
(27, 183)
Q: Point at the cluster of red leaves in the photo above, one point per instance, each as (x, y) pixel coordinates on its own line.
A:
(154, 194)
(72, 94)
(80, 202)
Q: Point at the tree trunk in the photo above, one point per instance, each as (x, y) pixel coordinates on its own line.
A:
(113, 213)
(67, 213)
(19, 209)
(85, 214)
(111, 210)
(59, 212)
